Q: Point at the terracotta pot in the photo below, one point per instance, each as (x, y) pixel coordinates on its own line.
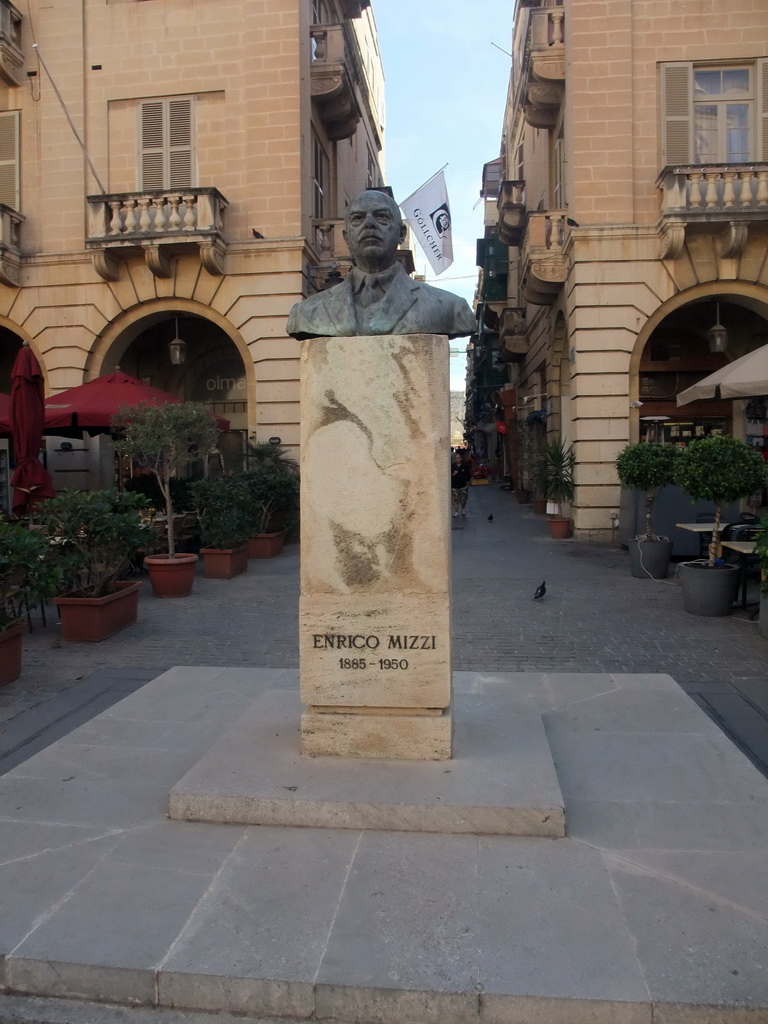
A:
(10, 652)
(92, 619)
(266, 545)
(171, 577)
(559, 528)
(539, 505)
(224, 563)
(522, 495)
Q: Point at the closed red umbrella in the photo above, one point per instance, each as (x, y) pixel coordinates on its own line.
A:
(31, 482)
(5, 409)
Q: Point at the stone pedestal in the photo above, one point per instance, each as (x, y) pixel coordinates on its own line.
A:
(375, 547)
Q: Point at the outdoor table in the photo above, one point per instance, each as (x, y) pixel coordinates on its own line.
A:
(703, 528)
(744, 548)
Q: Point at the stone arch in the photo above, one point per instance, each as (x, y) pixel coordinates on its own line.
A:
(10, 331)
(751, 297)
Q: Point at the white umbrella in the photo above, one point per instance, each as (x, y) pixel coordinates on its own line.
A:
(745, 377)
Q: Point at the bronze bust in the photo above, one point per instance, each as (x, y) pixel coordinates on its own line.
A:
(377, 296)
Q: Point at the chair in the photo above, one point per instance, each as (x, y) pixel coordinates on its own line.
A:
(737, 532)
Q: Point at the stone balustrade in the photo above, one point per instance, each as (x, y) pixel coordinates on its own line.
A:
(725, 197)
(715, 188)
(539, 64)
(11, 222)
(155, 221)
(11, 53)
(545, 267)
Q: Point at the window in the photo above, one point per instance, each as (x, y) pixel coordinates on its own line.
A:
(9, 159)
(715, 114)
(372, 171)
(320, 175)
(165, 143)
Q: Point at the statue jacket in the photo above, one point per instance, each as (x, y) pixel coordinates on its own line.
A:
(408, 307)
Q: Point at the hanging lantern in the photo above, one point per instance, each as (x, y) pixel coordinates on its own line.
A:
(177, 348)
(718, 335)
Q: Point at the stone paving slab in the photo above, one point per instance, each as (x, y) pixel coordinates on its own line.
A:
(652, 910)
(501, 779)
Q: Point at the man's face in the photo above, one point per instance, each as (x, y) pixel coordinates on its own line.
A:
(373, 231)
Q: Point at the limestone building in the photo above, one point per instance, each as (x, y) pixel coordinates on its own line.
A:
(626, 216)
(220, 145)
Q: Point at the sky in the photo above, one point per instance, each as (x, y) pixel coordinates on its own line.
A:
(446, 86)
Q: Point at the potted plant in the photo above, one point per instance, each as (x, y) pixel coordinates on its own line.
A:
(162, 439)
(92, 537)
(647, 466)
(273, 498)
(761, 550)
(27, 576)
(721, 470)
(222, 510)
(556, 463)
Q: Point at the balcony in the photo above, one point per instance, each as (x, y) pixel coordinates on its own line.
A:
(512, 333)
(511, 206)
(156, 224)
(10, 246)
(545, 267)
(723, 199)
(539, 58)
(332, 82)
(11, 54)
(354, 8)
(335, 259)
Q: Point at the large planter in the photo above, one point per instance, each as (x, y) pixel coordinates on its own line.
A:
(539, 505)
(93, 619)
(649, 559)
(10, 652)
(224, 563)
(708, 591)
(171, 577)
(266, 545)
(763, 622)
(559, 527)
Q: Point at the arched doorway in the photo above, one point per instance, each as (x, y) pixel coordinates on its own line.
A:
(678, 353)
(193, 358)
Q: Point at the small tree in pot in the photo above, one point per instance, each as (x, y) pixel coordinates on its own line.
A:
(92, 537)
(273, 497)
(721, 470)
(27, 576)
(162, 439)
(222, 506)
(648, 466)
(556, 465)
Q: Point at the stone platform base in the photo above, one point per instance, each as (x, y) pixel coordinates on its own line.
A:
(501, 780)
(652, 910)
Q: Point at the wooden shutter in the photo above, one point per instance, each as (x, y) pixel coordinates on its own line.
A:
(762, 110)
(166, 144)
(676, 104)
(9, 158)
(180, 143)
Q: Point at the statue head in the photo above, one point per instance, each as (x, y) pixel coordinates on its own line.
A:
(373, 229)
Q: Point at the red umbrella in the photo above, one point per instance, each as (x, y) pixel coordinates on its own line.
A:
(31, 482)
(5, 410)
(92, 406)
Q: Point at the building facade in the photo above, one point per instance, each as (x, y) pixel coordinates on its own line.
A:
(174, 170)
(626, 216)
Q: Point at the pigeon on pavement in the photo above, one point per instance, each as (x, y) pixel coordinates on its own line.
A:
(490, 518)
(540, 591)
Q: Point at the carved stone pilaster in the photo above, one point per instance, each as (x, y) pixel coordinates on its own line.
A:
(157, 260)
(732, 240)
(212, 257)
(10, 270)
(105, 266)
(672, 235)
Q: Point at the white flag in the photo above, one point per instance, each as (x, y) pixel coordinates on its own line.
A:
(429, 218)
